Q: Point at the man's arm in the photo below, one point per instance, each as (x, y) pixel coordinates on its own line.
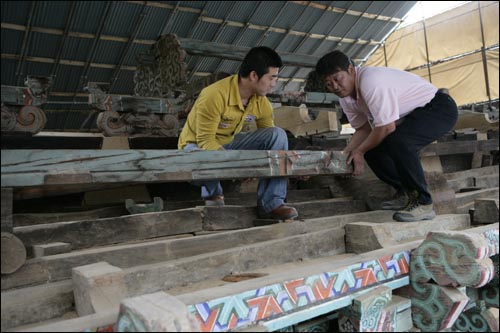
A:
(358, 137)
(266, 114)
(208, 118)
(373, 139)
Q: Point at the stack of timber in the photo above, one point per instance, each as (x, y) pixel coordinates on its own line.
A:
(162, 261)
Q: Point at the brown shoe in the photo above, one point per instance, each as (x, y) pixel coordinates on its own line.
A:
(281, 213)
(215, 200)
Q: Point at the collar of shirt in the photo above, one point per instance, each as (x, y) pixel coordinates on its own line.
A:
(234, 94)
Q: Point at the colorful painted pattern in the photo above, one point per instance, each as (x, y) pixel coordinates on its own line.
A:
(274, 300)
(492, 238)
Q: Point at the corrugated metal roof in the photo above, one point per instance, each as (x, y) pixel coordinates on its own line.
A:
(84, 41)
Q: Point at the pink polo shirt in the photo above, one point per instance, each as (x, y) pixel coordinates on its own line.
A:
(385, 95)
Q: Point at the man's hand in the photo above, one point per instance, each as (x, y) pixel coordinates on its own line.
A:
(358, 161)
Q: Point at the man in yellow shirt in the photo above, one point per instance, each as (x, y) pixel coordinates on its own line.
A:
(218, 115)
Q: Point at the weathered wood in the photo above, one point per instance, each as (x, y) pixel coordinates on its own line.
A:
(435, 308)
(173, 273)
(36, 167)
(366, 314)
(478, 120)
(13, 253)
(298, 293)
(55, 268)
(459, 147)
(26, 219)
(329, 207)
(477, 319)
(456, 258)
(443, 196)
(163, 276)
(228, 217)
(485, 210)
(43, 250)
(299, 122)
(450, 260)
(368, 236)
(157, 312)
(7, 223)
(112, 230)
(97, 287)
(469, 197)
(227, 51)
(36, 304)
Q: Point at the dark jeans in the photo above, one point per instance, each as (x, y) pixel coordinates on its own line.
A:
(396, 159)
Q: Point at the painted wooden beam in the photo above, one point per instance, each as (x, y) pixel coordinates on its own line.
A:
(442, 264)
(68, 167)
(227, 51)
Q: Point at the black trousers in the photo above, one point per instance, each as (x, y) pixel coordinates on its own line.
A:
(396, 159)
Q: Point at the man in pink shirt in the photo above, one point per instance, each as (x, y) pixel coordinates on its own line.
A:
(395, 114)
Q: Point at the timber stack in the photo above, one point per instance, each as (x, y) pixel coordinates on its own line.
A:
(120, 240)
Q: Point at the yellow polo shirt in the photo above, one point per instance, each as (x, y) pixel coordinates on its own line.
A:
(218, 115)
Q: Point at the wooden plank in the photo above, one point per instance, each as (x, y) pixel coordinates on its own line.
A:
(329, 207)
(112, 230)
(333, 282)
(368, 236)
(54, 268)
(41, 167)
(459, 147)
(36, 304)
(20, 220)
(214, 265)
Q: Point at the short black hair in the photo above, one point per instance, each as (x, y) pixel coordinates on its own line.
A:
(332, 63)
(259, 59)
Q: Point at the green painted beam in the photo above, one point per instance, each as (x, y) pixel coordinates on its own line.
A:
(21, 168)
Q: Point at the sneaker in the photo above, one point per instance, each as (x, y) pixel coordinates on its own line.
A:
(215, 200)
(415, 211)
(281, 213)
(399, 201)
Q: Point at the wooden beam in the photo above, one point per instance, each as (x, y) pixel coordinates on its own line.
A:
(227, 51)
(69, 167)
(459, 147)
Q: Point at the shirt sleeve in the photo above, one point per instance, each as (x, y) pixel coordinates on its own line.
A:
(208, 117)
(266, 114)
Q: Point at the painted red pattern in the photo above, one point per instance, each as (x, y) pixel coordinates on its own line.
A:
(291, 286)
(267, 306)
(232, 321)
(382, 262)
(367, 277)
(208, 325)
(403, 266)
(321, 292)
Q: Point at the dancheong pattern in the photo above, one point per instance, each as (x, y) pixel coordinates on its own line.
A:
(227, 313)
